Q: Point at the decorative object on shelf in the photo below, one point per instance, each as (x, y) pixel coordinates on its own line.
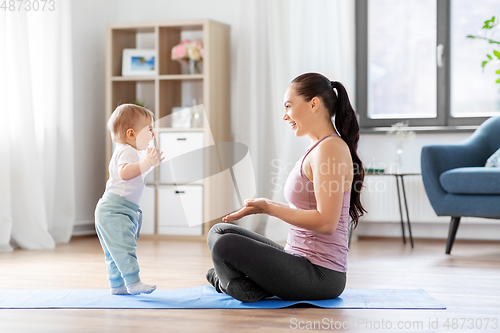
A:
(489, 29)
(401, 131)
(188, 117)
(197, 113)
(375, 170)
(189, 52)
(140, 103)
(181, 117)
(138, 62)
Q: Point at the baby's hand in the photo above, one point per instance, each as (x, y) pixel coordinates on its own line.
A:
(153, 156)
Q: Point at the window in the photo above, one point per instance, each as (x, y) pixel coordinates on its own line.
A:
(415, 63)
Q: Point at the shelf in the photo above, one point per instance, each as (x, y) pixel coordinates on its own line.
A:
(171, 88)
(145, 28)
(179, 184)
(133, 78)
(128, 38)
(169, 37)
(126, 91)
(172, 129)
(182, 77)
(194, 24)
(161, 77)
(173, 184)
(176, 93)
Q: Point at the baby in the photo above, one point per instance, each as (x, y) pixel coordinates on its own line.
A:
(118, 218)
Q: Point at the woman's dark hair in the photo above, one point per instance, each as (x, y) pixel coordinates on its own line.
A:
(312, 85)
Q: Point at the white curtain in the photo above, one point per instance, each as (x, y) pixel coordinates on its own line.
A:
(277, 41)
(37, 208)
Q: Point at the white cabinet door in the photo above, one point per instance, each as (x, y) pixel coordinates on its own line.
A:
(183, 157)
(148, 211)
(150, 178)
(180, 210)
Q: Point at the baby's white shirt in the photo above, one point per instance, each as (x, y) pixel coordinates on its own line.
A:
(129, 189)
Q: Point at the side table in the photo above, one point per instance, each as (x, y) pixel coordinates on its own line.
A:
(399, 175)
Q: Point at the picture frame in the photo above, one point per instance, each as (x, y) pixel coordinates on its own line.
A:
(137, 62)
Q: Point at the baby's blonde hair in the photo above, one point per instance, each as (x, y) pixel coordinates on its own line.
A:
(124, 117)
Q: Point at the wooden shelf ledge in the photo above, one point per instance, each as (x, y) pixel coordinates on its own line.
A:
(133, 78)
(173, 77)
(181, 77)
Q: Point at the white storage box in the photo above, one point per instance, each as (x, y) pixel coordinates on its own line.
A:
(148, 211)
(177, 166)
(180, 210)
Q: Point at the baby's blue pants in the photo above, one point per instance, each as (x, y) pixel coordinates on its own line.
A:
(117, 220)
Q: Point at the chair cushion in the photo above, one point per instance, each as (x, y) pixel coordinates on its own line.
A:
(494, 160)
(477, 180)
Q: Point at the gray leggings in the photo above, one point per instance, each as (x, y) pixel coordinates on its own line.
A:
(238, 252)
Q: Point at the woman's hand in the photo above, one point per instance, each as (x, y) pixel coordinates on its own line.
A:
(252, 206)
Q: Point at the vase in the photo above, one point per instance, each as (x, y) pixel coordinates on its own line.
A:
(399, 155)
(193, 67)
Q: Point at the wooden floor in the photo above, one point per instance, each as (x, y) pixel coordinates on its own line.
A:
(467, 282)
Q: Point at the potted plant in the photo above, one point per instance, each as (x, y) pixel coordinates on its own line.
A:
(489, 29)
(401, 131)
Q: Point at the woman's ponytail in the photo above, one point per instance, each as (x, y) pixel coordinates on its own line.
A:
(310, 85)
(347, 125)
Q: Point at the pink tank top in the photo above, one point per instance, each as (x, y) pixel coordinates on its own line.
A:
(329, 251)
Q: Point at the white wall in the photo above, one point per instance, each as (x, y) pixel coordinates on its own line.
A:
(377, 148)
(225, 11)
(89, 18)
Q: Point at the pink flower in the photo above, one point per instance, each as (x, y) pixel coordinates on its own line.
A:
(188, 49)
(197, 44)
(179, 52)
(194, 54)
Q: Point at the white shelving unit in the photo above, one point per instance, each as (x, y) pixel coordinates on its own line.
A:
(177, 206)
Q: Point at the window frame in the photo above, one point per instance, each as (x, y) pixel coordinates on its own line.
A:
(443, 77)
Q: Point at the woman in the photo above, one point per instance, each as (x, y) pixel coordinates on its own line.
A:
(323, 190)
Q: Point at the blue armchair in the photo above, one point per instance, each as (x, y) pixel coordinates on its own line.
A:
(456, 181)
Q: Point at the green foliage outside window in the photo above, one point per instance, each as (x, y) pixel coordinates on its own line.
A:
(490, 27)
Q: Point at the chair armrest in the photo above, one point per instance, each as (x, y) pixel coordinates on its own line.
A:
(436, 159)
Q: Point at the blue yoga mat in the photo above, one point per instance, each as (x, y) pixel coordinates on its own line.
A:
(205, 297)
